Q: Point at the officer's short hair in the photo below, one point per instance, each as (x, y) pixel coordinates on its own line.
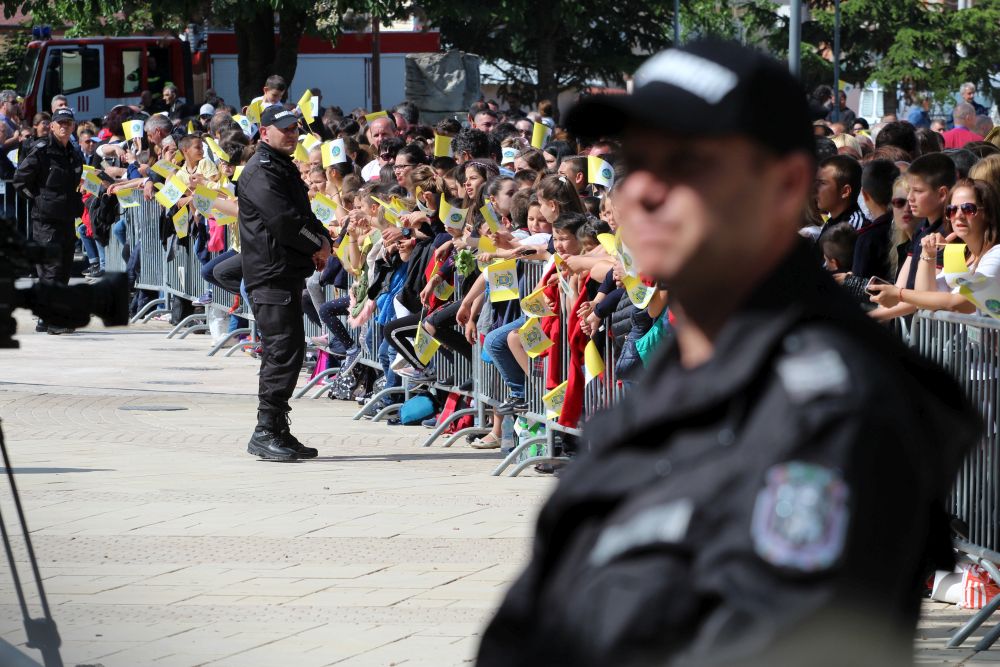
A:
(158, 122)
(846, 171)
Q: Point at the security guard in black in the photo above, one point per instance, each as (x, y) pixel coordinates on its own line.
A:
(49, 176)
(282, 244)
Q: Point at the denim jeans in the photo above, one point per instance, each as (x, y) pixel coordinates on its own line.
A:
(496, 346)
(386, 354)
(118, 231)
(207, 269)
(93, 249)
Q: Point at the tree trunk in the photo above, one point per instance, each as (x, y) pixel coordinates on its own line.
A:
(259, 55)
(255, 53)
(548, 33)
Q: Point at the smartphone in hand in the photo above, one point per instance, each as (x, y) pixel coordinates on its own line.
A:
(875, 280)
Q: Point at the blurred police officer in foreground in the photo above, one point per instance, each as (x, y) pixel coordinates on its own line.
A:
(49, 176)
(772, 492)
(283, 243)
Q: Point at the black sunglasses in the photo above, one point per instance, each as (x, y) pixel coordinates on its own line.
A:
(968, 209)
(899, 202)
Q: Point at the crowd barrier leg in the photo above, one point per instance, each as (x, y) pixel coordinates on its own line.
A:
(251, 332)
(319, 377)
(195, 328)
(370, 405)
(222, 343)
(442, 427)
(981, 616)
(149, 311)
(514, 453)
(196, 318)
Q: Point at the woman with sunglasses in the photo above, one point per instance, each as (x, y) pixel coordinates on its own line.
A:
(974, 213)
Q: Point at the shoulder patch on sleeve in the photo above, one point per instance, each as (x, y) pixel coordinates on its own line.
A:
(811, 373)
(40, 144)
(800, 516)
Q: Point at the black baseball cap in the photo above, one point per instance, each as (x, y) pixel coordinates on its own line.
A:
(707, 88)
(63, 115)
(278, 116)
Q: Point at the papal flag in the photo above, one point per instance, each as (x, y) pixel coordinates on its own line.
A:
(442, 145)
(181, 221)
(451, 217)
(540, 134)
(607, 242)
(533, 339)
(216, 149)
(342, 251)
(639, 293)
(129, 197)
(535, 305)
(334, 152)
(324, 208)
(203, 199)
(424, 345)
(599, 172)
(554, 401)
(173, 190)
(502, 277)
(593, 364)
(491, 217)
(306, 107)
(132, 129)
(485, 245)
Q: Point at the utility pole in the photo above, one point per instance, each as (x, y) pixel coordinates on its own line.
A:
(795, 37)
(836, 61)
(376, 65)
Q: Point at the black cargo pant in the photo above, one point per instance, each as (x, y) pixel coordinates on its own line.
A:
(60, 233)
(277, 307)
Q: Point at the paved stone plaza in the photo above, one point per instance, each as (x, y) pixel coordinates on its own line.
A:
(163, 543)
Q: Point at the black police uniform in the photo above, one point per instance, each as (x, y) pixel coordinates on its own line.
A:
(279, 235)
(49, 175)
(774, 506)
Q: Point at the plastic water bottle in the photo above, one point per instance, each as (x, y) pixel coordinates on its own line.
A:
(507, 437)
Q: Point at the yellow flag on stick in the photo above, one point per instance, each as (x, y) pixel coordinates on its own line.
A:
(376, 114)
(217, 150)
(599, 172)
(129, 197)
(639, 293)
(171, 192)
(181, 221)
(244, 124)
(203, 199)
(535, 305)
(607, 242)
(305, 106)
(491, 217)
(453, 218)
(554, 400)
(190, 127)
(164, 168)
(533, 339)
(593, 364)
(625, 255)
(324, 208)
(236, 173)
(221, 219)
(485, 245)
(342, 251)
(442, 145)
(311, 141)
(91, 183)
(444, 290)
(502, 277)
(424, 345)
(254, 110)
(334, 152)
(132, 129)
(540, 134)
(954, 264)
(301, 154)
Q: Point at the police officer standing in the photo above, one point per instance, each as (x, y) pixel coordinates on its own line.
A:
(49, 176)
(773, 490)
(283, 243)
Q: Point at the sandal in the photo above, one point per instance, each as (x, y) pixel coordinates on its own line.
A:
(488, 441)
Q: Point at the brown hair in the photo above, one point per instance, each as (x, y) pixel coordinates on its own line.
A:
(989, 203)
(559, 190)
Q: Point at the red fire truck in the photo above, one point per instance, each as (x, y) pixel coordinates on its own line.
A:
(98, 73)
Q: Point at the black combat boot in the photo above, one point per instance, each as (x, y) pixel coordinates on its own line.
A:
(266, 441)
(290, 441)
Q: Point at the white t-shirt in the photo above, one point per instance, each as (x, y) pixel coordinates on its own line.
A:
(988, 267)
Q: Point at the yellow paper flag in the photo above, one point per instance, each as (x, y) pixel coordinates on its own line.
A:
(453, 218)
(342, 251)
(203, 199)
(236, 173)
(132, 129)
(129, 197)
(539, 134)
(244, 124)
(535, 305)
(300, 154)
(310, 141)
(324, 208)
(607, 242)
(554, 400)
(639, 293)
(225, 219)
(165, 168)
(254, 111)
(217, 150)
(91, 183)
(599, 172)
(181, 221)
(424, 345)
(190, 127)
(485, 245)
(334, 152)
(376, 114)
(171, 192)
(593, 364)
(444, 290)
(502, 277)
(625, 255)
(442, 145)
(491, 217)
(305, 106)
(954, 264)
(533, 339)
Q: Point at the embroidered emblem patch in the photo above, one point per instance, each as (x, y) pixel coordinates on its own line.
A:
(800, 516)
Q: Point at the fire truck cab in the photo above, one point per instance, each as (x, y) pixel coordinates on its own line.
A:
(98, 73)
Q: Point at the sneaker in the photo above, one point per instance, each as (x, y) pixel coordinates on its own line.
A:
(514, 406)
(91, 270)
(399, 363)
(57, 331)
(41, 327)
(97, 273)
(320, 341)
(204, 299)
(351, 358)
(418, 374)
(430, 422)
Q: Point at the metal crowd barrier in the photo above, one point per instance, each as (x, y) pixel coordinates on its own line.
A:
(969, 348)
(16, 208)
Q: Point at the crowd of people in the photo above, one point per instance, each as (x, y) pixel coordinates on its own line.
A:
(417, 214)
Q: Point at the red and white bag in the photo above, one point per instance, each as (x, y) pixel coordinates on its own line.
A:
(978, 589)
